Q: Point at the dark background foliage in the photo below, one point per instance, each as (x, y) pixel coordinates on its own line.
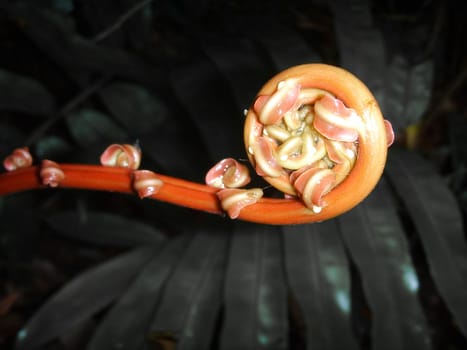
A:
(83, 269)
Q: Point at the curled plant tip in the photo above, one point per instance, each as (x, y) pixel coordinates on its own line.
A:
(234, 200)
(123, 156)
(146, 183)
(315, 129)
(19, 158)
(51, 174)
(316, 132)
(228, 173)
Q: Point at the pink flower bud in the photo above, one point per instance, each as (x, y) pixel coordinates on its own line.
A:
(335, 121)
(20, 158)
(234, 200)
(228, 173)
(51, 174)
(272, 109)
(389, 132)
(264, 150)
(146, 183)
(123, 156)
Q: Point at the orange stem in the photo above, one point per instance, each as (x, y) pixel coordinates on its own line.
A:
(175, 191)
(95, 177)
(358, 184)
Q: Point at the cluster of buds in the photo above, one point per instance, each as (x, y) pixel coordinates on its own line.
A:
(307, 130)
(145, 182)
(124, 156)
(18, 159)
(307, 148)
(303, 140)
(50, 172)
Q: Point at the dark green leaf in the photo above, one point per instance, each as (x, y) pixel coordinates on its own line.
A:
(376, 241)
(385, 320)
(193, 294)
(255, 291)
(77, 55)
(185, 10)
(285, 46)
(319, 277)
(206, 97)
(435, 213)
(81, 298)
(23, 94)
(18, 226)
(65, 6)
(51, 147)
(239, 65)
(176, 151)
(407, 91)
(126, 325)
(457, 139)
(360, 43)
(457, 142)
(104, 228)
(10, 138)
(135, 107)
(392, 247)
(89, 127)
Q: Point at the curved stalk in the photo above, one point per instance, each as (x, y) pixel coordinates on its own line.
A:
(175, 191)
(114, 179)
(368, 167)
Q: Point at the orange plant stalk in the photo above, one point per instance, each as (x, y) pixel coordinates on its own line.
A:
(315, 132)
